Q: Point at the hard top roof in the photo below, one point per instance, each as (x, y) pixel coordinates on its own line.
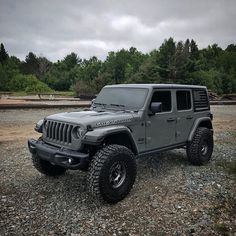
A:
(155, 86)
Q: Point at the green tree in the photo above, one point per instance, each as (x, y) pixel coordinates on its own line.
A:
(71, 60)
(167, 60)
(148, 72)
(44, 66)
(8, 70)
(194, 52)
(3, 54)
(31, 65)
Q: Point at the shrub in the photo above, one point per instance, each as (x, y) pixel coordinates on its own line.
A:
(27, 83)
(84, 88)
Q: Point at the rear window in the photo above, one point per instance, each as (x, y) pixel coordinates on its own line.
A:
(183, 100)
(200, 100)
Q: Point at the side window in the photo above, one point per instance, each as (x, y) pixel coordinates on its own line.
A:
(183, 100)
(200, 100)
(164, 97)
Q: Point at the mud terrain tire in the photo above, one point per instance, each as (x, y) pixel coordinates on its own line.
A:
(199, 150)
(112, 173)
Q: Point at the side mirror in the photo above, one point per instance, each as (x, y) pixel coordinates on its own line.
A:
(92, 103)
(156, 107)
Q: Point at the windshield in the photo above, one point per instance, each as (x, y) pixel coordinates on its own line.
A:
(122, 98)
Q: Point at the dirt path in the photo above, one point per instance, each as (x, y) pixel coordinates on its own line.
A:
(18, 125)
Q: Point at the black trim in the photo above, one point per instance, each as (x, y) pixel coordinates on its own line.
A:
(59, 156)
(101, 139)
(166, 148)
(202, 103)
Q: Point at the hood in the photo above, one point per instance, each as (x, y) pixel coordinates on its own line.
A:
(93, 118)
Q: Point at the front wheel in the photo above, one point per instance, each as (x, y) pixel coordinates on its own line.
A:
(199, 150)
(112, 173)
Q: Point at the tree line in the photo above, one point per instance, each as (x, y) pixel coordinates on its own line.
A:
(173, 62)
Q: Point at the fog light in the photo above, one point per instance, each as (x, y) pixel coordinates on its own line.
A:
(70, 160)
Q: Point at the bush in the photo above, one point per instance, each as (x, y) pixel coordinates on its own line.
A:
(84, 88)
(210, 78)
(27, 83)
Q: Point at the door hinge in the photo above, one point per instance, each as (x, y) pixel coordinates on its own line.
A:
(177, 133)
(148, 140)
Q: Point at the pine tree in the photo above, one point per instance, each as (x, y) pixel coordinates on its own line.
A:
(167, 60)
(3, 54)
(194, 53)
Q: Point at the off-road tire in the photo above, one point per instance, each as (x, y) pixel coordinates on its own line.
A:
(199, 150)
(46, 167)
(100, 173)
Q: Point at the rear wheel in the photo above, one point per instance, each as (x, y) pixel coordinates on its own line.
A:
(46, 167)
(112, 173)
(199, 150)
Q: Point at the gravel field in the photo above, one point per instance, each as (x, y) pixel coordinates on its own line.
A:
(170, 196)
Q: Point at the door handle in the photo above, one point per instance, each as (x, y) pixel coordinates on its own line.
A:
(170, 119)
(189, 117)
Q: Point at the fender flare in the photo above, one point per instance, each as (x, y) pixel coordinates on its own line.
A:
(98, 135)
(196, 124)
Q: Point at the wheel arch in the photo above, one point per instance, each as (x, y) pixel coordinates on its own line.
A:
(120, 135)
(201, 122)
(122, 138)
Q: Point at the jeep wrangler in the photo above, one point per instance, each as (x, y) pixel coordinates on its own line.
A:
(123, 123)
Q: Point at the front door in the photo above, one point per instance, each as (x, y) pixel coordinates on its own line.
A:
(160, 127)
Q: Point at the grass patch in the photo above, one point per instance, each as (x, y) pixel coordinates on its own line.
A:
(66, 93)
(233, 133)
(232, 168)
(222, 229)
(19, 94)
(60, 93)
(229, 167)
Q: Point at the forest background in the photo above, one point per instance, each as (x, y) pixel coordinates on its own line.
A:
(173, 62)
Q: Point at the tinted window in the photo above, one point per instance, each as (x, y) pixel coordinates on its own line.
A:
(183, 100)
(165, 98)
(200, 100)
(130, 98)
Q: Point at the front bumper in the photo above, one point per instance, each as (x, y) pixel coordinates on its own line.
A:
(59, 156)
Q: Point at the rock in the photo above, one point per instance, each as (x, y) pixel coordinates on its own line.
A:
(155, 204)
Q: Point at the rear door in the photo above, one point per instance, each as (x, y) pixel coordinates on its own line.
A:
(184, 113)
(160, 127)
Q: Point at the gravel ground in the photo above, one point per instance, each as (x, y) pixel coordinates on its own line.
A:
(170, 196)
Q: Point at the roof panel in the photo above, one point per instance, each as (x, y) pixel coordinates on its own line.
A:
(155, 86)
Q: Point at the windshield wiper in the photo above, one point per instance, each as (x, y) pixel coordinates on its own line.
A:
(117, 105)
(100, 104)
(123, 106)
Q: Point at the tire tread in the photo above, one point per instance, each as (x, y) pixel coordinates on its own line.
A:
(96, 166)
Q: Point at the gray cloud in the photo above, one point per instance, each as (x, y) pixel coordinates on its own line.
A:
(55, 28)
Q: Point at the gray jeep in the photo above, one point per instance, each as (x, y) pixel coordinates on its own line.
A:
(123, 123)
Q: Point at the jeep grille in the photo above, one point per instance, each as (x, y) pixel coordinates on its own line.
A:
(58, 132)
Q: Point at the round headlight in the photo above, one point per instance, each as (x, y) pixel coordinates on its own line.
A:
(39, 126)
(78, 132)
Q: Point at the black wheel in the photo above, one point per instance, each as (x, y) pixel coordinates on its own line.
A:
(112, 173)
(199, 151)
(46, 167)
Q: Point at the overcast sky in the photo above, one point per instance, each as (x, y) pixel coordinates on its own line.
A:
(54, 28)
